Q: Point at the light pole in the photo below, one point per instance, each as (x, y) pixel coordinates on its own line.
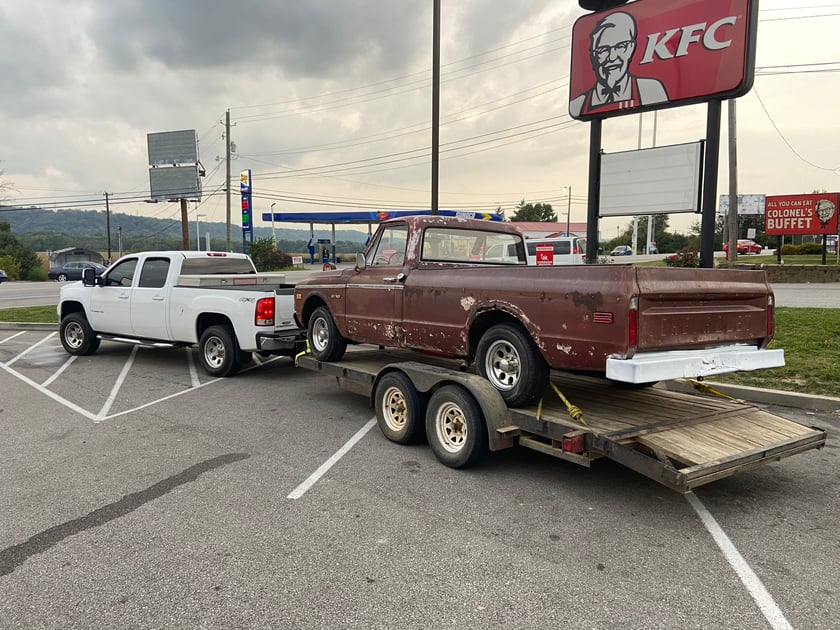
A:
(273, 235)
(569, 212)
(198, 230)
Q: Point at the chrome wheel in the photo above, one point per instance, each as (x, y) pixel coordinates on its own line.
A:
(320, 337)
(74, 335)
(502, 365)
(214, 352)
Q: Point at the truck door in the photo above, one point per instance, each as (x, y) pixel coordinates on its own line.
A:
(110, 304)
(374, 295)
(150, 300)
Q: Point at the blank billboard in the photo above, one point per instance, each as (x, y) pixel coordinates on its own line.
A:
(661, 180)
(181, 182)
(172, 147)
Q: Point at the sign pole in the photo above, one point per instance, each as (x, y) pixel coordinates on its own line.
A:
(710, 170)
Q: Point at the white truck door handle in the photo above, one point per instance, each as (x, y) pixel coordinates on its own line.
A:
(158, 298)
(123, 296)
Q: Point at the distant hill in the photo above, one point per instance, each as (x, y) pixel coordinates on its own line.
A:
(54, 229)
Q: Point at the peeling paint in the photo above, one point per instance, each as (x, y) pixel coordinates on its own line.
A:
(564, 349)
(467, 303)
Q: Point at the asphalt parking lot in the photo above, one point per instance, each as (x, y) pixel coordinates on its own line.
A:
(139, 492)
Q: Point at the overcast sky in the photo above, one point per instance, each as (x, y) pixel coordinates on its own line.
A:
(343, 88)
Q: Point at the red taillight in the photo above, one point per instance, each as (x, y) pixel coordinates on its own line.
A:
(633, 324)
(264, 315)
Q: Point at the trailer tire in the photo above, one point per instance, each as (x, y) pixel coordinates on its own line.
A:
(455, 427)
(400, 409)
(325, 343)
(218, 351)
(77, 336)
(507, 357)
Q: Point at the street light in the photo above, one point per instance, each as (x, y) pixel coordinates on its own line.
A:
(273, 235)
(198, 230)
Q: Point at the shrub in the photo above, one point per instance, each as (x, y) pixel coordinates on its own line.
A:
(10, 266)
(810, 248)
(688, 258)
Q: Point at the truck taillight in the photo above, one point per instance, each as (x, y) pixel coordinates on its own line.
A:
(633, 323)
(264, 315)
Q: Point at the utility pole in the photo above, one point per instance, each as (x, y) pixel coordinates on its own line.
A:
(569, 213)
(435, 103)
(227, 181)
(732, 216)
(185, 226)
(108, 225)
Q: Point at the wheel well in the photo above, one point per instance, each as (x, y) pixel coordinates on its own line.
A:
(308, 308)
(487, 320)
(70, 307)
(205, 320)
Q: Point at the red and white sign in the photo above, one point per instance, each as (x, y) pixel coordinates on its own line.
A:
(545, 254)
(652, 54)
(801, 214)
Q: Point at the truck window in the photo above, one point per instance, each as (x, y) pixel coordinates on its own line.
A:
(217, 265)
(122, 275)
(448, 244)
(154, 272)
(390, 248)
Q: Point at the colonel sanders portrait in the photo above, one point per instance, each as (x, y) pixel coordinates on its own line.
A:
(611, 48)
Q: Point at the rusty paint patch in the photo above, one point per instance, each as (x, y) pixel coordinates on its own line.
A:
(467, 303)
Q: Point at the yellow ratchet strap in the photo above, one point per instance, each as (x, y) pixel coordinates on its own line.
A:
(575, 412)
(704, 388)
(300, 354)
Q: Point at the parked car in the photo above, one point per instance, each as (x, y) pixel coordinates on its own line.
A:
(73, 270)
(745, 246)
(3, 276)
(622, 250)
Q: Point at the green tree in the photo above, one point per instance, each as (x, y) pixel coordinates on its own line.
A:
(266, 257)
(534, 212)
(27, 260)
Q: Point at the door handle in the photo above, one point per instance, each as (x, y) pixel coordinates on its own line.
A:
(123, 296)
(400, 277)
(157, 298)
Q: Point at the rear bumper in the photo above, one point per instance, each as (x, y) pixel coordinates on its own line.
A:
(649, 367)
(289, 341)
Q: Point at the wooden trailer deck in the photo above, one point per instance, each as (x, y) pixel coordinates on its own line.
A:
(680, 440)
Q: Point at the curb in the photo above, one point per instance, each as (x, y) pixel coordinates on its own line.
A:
(752, 394)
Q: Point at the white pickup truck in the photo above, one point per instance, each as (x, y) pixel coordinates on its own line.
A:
(165, 299)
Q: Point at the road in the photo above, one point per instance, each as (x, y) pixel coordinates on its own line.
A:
(827, 295)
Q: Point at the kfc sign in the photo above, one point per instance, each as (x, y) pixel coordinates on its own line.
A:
(801, 214)
(652, 54)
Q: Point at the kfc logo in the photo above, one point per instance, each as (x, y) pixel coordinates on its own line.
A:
(650, 55)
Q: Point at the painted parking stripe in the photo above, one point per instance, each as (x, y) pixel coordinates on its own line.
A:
(9, 338)
(755, 588)
(32, 347)
(48, 393)
(117, 386)
(59, 371)
(323, 468)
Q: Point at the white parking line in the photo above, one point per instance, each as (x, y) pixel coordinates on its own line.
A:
(755, 588)
(323, 468)
(59, 371)
(116, 388)
(48, 393)
(12, 336)
(32, 347)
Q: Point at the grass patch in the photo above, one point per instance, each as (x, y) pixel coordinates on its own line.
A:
(809, 338)
(29, 314)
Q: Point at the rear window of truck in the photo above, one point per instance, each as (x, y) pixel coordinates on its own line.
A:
(217, 265)
(447, 244)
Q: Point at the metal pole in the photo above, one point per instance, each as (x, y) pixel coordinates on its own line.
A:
(732, 216)
(227, 181)
(710, 169)
(594, 203)
(435, 103)
(569, 213)
(108, 225)
(273, 235)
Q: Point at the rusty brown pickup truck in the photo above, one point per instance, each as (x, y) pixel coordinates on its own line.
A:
(462, 288)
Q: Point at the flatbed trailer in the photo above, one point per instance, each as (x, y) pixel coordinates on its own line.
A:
(679, 440)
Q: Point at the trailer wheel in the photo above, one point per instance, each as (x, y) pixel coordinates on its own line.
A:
(77, 336)
(324, 341)
(455, 427)
(507, 357)
(399, 409)
(218, 351)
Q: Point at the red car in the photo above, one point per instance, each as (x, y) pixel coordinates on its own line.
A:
(745, 246)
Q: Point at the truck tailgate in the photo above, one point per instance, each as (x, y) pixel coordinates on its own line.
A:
(724, 306)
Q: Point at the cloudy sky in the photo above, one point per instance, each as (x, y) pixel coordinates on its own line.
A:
(331, 103)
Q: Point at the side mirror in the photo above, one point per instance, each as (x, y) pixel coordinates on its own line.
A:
(88, 276)
(361, 261)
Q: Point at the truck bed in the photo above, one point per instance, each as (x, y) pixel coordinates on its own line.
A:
(680, 440)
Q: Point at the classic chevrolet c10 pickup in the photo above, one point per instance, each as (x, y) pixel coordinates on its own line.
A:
(462, 288)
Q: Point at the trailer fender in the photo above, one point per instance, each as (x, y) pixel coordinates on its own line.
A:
(427, 378)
